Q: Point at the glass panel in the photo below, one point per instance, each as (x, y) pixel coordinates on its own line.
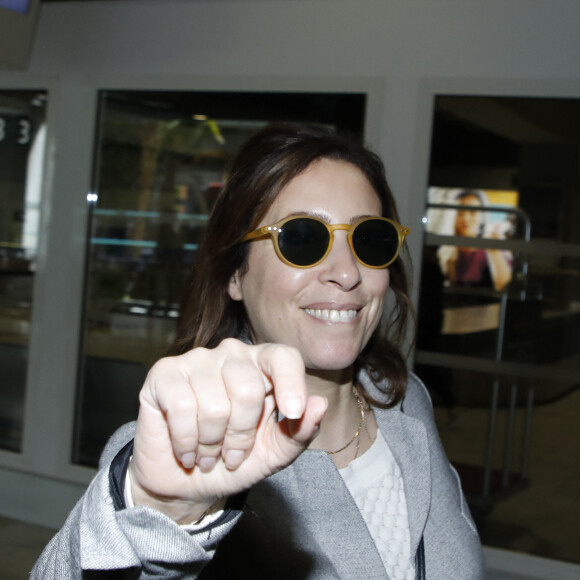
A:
(22, 137)
(499, 332)
(161, 160)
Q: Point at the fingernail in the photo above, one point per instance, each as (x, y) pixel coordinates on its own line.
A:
(188, 460)
(234, 458)
(293, 408)
(206, 464)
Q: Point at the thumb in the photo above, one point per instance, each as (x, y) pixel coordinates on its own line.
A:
(294, 435)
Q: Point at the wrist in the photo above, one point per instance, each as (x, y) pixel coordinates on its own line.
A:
(183, 512)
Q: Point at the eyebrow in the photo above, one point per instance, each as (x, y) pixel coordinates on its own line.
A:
(325, 217)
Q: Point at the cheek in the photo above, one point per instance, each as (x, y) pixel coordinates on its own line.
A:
(382, 282)
(379, 287)
(268, 283)
(274, 280)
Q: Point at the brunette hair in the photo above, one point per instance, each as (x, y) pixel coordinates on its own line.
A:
(267, 162)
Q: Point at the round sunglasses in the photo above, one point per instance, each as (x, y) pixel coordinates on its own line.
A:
(304, 241)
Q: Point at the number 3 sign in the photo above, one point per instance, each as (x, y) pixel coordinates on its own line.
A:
(15, 130)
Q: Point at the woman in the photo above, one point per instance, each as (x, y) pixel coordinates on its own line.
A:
(474, 266)
(284, 438)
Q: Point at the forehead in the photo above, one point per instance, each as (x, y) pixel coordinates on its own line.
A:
(336, 189)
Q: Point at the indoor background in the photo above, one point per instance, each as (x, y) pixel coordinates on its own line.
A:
(115, 135)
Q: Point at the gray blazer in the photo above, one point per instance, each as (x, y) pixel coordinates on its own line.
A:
(299, 524)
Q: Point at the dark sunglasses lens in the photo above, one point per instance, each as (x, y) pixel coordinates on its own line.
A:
(375, 242)
(303, 241)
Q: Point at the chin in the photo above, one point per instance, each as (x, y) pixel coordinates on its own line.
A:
(335, 361)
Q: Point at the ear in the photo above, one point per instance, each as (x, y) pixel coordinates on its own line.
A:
(235, 287)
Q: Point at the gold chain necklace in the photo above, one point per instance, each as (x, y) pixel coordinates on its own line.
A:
(361, 423)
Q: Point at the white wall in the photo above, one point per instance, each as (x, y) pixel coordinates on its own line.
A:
(402, 51)
(397, 41)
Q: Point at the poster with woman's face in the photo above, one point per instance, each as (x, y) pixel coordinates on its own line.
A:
(476, 212)
(473, 213)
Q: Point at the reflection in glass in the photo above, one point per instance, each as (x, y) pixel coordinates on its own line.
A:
(22, 138)
(499, 317)
(161, 160)
(473, 213)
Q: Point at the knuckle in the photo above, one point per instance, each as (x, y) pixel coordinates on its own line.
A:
(184, 441)
(194, 356)
(185, 405)
(229, 345)
(210, 449)
(160, 367)
(241, 439)
(215, 410)
(249, 393)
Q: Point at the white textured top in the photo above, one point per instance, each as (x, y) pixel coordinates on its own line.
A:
(376, 484)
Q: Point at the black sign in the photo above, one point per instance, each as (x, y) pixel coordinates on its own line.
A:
(15, 130)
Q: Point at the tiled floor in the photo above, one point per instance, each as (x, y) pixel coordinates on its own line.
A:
(20, 546)
(543, 518)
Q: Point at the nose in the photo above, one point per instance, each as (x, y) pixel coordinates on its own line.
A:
(340, 266)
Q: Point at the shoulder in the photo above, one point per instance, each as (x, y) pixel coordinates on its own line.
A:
(417, 400)
(417, 404)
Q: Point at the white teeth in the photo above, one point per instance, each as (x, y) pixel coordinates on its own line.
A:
(332, 315)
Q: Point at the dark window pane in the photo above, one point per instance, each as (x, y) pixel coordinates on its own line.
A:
(499, 338)
(161, 160)
(22, 136)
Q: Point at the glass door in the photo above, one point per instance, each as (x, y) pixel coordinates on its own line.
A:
(160, 160)
(22, 138)
(499, 312)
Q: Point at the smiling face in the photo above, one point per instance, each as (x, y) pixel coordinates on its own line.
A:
(330, 311)
(468, 222)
